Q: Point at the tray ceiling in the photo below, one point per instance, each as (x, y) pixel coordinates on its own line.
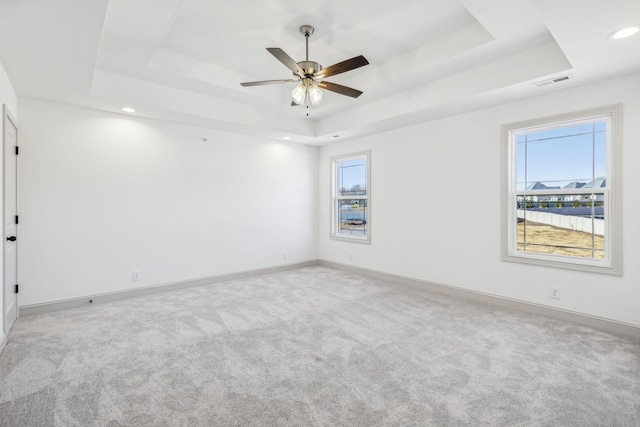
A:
(183, 60)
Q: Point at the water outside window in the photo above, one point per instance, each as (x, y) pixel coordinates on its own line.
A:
(352, 197)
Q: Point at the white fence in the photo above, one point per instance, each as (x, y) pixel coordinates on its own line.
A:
(568, 222)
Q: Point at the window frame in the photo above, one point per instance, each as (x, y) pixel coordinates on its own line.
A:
(612, 264)
(335, 198)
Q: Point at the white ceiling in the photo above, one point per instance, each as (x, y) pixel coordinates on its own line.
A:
(184, 60)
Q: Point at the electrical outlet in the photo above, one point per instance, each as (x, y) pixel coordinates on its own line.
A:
(554, 293)
(136, 276)
(284, 256)
(350, 257)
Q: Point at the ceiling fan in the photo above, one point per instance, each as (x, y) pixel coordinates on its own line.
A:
(311, 75)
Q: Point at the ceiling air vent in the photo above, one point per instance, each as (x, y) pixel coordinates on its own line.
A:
(553, 80)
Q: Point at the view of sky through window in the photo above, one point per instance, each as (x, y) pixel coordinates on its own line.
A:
(352, 176)
(561, 156)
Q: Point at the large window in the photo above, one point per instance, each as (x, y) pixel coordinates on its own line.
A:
(350, 199)
(562, 207)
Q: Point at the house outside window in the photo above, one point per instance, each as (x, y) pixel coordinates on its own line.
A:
(351, 218)
(560, 179)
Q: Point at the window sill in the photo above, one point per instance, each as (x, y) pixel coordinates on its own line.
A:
(354, 239)
(586, 266)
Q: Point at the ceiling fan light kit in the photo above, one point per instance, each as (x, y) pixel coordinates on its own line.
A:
(310, 74)
(315, 94)
(298, 94)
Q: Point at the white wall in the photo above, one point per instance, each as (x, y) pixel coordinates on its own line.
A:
(104, 194)
(445, 176)
(7, 97)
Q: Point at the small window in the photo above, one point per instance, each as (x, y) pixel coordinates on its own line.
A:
(350, 200)
(561, 192)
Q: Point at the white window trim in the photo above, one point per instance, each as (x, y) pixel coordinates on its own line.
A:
(613, 209)
(335, 221)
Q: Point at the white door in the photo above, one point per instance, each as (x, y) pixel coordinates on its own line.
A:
(10, 142)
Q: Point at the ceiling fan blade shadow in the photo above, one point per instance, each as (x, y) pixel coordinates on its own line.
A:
(266, 82)
(342, 67)
(286, 60)
(342, 90)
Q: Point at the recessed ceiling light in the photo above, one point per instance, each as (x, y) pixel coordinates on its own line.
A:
(624, 32)
(128, 110)
(286, 138)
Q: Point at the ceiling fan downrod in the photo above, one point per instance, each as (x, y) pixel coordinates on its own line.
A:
(309, 68)
(306, 31)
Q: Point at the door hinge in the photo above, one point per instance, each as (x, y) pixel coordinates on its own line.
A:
(16, 288)
(16, 219)
(17, 150)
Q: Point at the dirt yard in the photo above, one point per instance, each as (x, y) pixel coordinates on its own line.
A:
(549, 235)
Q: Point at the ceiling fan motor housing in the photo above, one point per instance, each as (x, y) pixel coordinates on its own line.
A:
(309, 67)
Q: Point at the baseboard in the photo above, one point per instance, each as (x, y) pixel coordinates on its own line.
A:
(29, 310)
(604, 324)
(608, 325)
(3, 342)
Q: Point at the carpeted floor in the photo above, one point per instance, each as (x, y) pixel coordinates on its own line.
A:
(313, 347)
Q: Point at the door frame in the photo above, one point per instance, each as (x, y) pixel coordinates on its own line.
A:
(7, 118)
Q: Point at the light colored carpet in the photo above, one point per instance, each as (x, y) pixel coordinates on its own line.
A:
(313, 347)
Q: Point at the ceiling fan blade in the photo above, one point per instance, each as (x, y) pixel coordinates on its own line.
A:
(342, 67)
(266, 82)
(342, 90)
(286, 60)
